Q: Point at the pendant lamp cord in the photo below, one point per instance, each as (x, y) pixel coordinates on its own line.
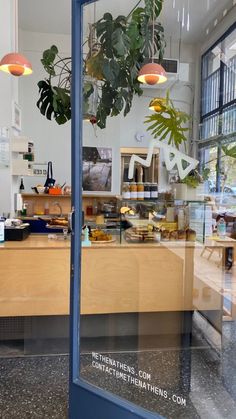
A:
(153, 23)
(15, 47)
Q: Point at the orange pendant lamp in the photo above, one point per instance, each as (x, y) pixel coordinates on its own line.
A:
(152, 73)
(15, 63)
(157, 104)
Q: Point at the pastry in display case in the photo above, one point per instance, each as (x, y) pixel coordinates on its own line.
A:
(99, 236)
(149, 221)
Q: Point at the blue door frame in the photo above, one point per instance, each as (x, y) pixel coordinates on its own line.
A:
(85, 400)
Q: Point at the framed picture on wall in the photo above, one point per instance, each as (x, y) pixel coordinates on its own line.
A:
(97, 169)
(16, 116)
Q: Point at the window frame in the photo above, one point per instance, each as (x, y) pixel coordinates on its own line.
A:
(219, 139)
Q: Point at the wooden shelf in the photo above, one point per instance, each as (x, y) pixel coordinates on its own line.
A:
(86, 195)
(43, 195)
(30, 195)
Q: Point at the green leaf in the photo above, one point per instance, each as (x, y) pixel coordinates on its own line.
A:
(138, 14)
(88, 89)
(94, 66)
(61, 119)
(167, 123)
(153, 8)
(121, 20)
(151, 48)
(136, 41)
(120, 42)
(229, 151)
(118, 105)
(108, 17)
(49, 56)
(111, 70)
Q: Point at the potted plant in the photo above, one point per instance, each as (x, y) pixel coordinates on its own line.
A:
(167, 122)
(117, 48)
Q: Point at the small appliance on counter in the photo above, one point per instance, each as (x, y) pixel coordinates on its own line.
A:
(15, 230)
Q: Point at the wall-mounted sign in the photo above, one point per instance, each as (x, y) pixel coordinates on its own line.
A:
(173, 158)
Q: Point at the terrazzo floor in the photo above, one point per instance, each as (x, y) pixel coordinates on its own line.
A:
(34, 387)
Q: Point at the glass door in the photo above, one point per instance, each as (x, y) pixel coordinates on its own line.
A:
(92, 329)
(89, 397)
(149, 286)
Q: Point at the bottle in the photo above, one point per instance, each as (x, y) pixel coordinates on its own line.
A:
(24, 209)
(22, 188)
(147, 190)
(140, 191)
(95, 207)
(46, 208)
(154, 190)
(2, 232)
(221, 228)
(133, 190)
(126, 190)
(181, 219)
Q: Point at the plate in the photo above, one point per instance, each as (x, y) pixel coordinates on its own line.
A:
(103, 241)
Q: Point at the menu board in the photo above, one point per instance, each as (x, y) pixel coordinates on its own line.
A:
(4, 152)
(200, 220)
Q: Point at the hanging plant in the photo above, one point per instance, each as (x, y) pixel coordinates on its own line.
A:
(117, 49)
(167, 122)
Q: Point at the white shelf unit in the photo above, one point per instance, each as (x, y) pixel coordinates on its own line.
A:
(19, 148)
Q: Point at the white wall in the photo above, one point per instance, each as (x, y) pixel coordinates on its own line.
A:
(9, 93)
(52, 142)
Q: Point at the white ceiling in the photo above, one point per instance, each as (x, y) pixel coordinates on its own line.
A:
(46, 16)
(54, 16)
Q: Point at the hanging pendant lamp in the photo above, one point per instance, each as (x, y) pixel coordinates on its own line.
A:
(15, 63)
(152, 73)
(157, 104)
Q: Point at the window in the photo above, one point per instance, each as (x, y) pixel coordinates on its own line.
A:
(218, 106)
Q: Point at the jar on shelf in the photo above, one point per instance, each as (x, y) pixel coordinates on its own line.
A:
(153, 190)
(89, 210)
(140, 191)
(147, 191)
(133, 190)
(126, 190)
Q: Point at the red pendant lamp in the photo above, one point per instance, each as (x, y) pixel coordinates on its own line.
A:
(152, 73)
(15, 63)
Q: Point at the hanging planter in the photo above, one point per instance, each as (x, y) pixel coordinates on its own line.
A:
(118, 49)
(90, 99)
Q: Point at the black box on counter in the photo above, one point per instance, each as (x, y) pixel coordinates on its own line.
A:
(17, 233)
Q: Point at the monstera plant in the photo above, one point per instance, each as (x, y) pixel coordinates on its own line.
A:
(167, 122)
(117, 48)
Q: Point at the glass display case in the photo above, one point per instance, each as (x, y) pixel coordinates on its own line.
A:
(156, 220)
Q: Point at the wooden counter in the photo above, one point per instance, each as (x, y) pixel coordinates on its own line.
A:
(35, 277)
